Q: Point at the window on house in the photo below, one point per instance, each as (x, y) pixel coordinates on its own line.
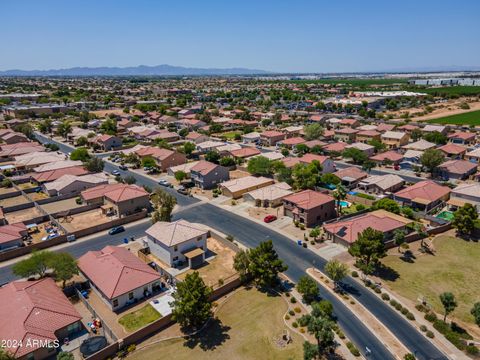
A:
(175, 248)
(199, 238)
(115, 302)
(130, 295)
(175, 258)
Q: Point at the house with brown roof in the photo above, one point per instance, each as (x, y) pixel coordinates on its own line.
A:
(12, 137)
(73, 184)
(423, 196)
(388, 157)
(21, 148)
(353, 123)
(207, 175)
(164, 158)
(395, 139)
(118, 277)
(237, 187)
(456, 169)
(271, 137)
(309, 207)
(178, 242)
(291, 142)
(107, 142)
(381, 184)
(350, 176)
(52, 175)
(269, 196)
(11, 236)
(245, 152)
(33, 312)
(453, 151)
(462, 138)
(435, 128)
(365, 136)
(368, 150)
(385, 127)
(336, 147)
(117, 199)
(345, 134)
(196, 137)
(346, 231)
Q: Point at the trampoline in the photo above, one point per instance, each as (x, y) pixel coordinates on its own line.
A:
(92, 345)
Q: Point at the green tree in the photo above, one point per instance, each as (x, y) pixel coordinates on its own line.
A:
(212, 156)
(64, 266)
(164, 204)
(45, 126)
(409, 357)
(308, 288)
(149, 162)
(241, 264)
(307, 176)
(315, 233)
(408, 212)
(448, 302)
(180, 175)
(260, 165)
(94, 165)
(82, 141)
(36, 265)
(339, 194)
(227, 161)
(388, 205)
(358, 157)
(27, 130)
(109, 127)
(301, 149)
(431, 158)
(321, 327)
(265, 265)
(476, 312)
(129, 179)
(188, 148)
(464, 219)
(310, 351)
(80, 154)
(377, 144)
(416, 134)
(64, 129)
(5, 354)
(183, 132)
(368, 249)
(399, 238)
(336, 271)
(368, 165)
(191, 306)
(313, 131)
(329, 178)
(436, 137)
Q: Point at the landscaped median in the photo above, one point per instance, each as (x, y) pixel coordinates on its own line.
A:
(395, 347)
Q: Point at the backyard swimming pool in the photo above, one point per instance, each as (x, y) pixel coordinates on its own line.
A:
(445, 215)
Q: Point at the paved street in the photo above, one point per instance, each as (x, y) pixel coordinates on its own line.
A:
(298, 260)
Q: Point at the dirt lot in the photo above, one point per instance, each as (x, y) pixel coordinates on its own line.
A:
(16, 200)
(37, 236)
(451, 107)
(84, 220)
(61, 205)
(9, 190)
(22, 215)
(27, 185)
(237, 174)
(220, 267)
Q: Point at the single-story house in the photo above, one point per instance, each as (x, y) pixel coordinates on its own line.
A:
(391, 157)
(237, 187)
(118, 277)
(368, 150)
(456, 169)
(309, 207)
(473, 156)
(462, 137)
(245, 152)
(196, 137)
(453, 151)
(252, 137)
(435, 128)
(73, 184)
(381, 184)
(424, 195)
(350, 176)
(178, 242)
(11, 236)
(269, 196)
(420, 145)
(465, 193)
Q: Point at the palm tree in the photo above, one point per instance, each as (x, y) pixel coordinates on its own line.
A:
(340, 193)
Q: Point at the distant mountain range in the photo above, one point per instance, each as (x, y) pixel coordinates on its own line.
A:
(141, 70)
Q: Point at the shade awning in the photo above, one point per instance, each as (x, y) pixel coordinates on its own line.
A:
(193, 253)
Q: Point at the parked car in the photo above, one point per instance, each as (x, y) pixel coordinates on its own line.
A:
(123, 167)
(269, 218)
(182, 190)
(164, 182)
(116, 230)
(115, 172)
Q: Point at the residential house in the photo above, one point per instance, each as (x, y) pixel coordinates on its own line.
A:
(453, 151)
(365, 136)
(118, 277)
(208, 146)
(395, 139)
(456, 169)
(309, 207)
(196, 137)
(178, 242)
(34, 313)
(183, 167)
(423, 196)
(21, 148)
(328, 166)
(11, 236)
(12, 137)
(164, 158)
(388, 157)
(108, 142)
(350, 176)
(408, 128)
(117, 199)
(73, 184)
(271, 138)
(207, 175)
(250, 138)
(346, 231)
(52, 175)
(465, 193)
(269, 196)
(473, 156)
(352, 123)
(35, 159)
(237, 187)
(420, 145)
(385, 127)
(291, 142)
(245, 153)
(368, 150)
(381, 184)
(336, 147)
(435, 128)
(411, 159)
(345, 134)
(462, 138)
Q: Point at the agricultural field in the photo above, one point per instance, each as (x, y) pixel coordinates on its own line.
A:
(468, 118)
(353, 82)
(448, 91)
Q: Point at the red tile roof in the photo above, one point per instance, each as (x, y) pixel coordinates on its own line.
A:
(12, 232)
(204, 167)
(33, 310)
(293, 141)
(245, 152)
(114, 192)
(271, 133)
(56, 174)
(308, 158)
(460, 167)
(116, 271)
(454, 149)
(389, 155)
(424, 190)
(337, 147)
(462, 135)
(351, 172)
(309, 199)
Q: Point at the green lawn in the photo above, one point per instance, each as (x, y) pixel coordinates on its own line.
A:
(247, 325)
(468, 118)
(454, 267)
(230, 135)
(139, 318)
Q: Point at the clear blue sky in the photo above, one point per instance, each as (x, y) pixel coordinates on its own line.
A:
(276, 35)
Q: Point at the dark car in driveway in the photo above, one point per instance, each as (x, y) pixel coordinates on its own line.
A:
(116, 230)
(182, 190)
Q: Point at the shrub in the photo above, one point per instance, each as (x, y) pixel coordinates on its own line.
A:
(430, 334)
(295, 325)
(302, 226)
(297, 310)
(287, 317)
(430, 316)
(421, 307)
(404, 311)
(360, 207)
(341, 335)
(472, 350)
(293, 300)
(399, 307)
(410, 316)
(353, 349)
(352, 302)
(409, 357)
(377, 290)
(302, 330)
(393, 302)
(354, 274)
(385, 297)
(303, 321)
(423, 328)
(131, 348)
(291, 312)
(287, 294)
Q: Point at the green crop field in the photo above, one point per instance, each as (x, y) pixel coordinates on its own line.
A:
(448, 91)
(468, 118)
(352, 82)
